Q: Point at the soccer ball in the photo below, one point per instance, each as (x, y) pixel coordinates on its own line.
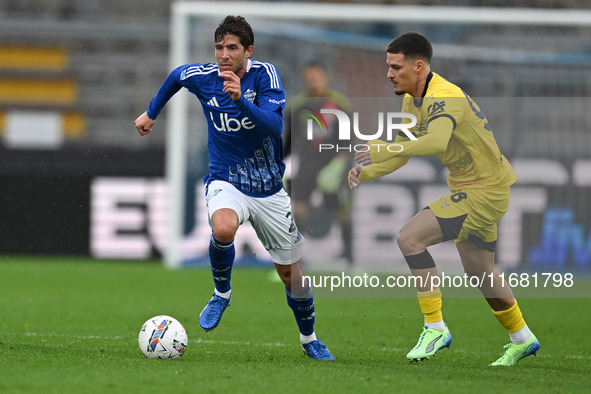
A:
(163, 337)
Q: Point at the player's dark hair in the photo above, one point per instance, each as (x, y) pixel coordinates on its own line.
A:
(411, 44)
(315, 63)
(238, 26)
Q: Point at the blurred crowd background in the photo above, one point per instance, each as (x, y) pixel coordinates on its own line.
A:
(74, 74)
(98, 63)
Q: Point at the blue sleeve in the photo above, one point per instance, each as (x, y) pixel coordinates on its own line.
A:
(270, 107)
(270, 116)
(170, 86)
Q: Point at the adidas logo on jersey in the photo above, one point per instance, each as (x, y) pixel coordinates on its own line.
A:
(213, 102)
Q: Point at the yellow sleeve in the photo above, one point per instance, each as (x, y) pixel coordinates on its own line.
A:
(378, 170)
(431, 144)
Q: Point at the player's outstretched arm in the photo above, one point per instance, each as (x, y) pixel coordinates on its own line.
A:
(144, 124)
(359, 175)
(169, 87)
(431, 144)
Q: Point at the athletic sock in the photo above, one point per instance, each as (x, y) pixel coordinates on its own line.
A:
(431, 303)
(522, 336)
(225, 295)
(302, 305)
(304, 339)
(221, 257)
(438, 325)
(512, 320)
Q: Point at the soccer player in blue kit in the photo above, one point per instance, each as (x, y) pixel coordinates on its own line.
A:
(244, 104)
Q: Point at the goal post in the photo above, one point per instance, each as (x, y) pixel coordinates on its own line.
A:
(182, 39)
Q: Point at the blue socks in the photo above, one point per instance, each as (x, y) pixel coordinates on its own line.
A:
(221, 257)
(302, 305)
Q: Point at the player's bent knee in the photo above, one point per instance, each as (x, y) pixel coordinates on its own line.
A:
(224, 232)
(408, 243)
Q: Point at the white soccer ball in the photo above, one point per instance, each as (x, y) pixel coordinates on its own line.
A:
(163, 337)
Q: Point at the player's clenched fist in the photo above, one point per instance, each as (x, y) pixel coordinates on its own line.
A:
(354, 178)
(144, 124)
(231, 84)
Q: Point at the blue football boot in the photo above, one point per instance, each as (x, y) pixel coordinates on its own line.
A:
(212, 313)
(316, 350)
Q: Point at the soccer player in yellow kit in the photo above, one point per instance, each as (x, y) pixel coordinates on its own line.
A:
(450, 126)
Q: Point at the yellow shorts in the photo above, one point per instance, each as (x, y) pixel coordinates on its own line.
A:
(472, 215)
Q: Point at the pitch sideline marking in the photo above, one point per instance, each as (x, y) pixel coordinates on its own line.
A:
(248, 343)
(209, 341)
(52, 334)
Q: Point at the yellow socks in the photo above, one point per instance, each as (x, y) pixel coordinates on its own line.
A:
(511, 319)
(430, 303)
(513, 322)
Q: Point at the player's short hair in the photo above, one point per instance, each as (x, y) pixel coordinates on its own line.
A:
(411, 44)
(315, 63)
(235, 25)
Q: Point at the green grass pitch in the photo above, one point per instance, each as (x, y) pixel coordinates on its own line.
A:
(70, 326)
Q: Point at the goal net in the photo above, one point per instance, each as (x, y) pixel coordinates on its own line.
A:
(524, 67)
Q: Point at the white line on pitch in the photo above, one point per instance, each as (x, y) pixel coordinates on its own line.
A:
(200, 340)
(253, 343)
(52, 334)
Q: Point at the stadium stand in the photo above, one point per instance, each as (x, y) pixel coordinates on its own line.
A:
(99, 62)
(85, 61)
(34, 79)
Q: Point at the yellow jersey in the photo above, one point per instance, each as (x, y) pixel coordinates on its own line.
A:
(472, 155)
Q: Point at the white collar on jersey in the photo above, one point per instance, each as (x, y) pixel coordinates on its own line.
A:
(248, 65)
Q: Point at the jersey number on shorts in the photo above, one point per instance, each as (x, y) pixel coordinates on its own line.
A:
(459, 196)
(292, 226)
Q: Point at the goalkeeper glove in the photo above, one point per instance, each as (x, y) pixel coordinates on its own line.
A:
(330, 176)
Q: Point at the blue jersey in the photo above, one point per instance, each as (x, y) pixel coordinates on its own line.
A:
(244, 136)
